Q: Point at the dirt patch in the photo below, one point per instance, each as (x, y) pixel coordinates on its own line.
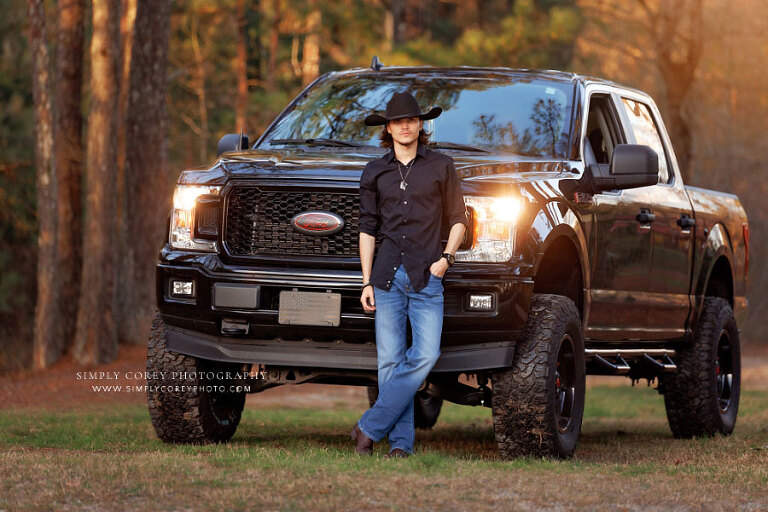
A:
(67, 386)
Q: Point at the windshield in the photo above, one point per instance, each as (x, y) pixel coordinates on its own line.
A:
(501, 113)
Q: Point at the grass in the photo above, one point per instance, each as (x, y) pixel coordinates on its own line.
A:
(299, 459)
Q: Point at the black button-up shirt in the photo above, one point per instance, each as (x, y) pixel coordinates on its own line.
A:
(409, 221)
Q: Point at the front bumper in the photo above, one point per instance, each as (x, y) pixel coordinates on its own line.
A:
(470, 341)
(342, 355)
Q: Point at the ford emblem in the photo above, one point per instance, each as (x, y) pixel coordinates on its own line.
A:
(317, 223)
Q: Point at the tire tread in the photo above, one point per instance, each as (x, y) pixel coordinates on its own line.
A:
(523, 418)
(183, 416)
(690, 394)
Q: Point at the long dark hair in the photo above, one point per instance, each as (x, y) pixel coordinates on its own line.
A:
(387, 142)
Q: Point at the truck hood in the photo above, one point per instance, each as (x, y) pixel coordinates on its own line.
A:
(347, 166)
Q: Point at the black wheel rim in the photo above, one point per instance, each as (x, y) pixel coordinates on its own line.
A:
(222, 406)
(225, 402)
(724, 371)
(565, 384)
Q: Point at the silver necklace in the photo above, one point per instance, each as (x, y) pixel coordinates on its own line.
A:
(403, 184)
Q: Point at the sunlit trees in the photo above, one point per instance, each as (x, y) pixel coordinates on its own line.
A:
(637, 40)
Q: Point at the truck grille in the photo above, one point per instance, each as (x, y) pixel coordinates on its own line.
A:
(259, 222)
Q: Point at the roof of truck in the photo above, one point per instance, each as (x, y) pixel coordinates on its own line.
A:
(480, 72)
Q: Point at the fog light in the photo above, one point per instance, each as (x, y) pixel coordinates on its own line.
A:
(480, 302)
(183, 288)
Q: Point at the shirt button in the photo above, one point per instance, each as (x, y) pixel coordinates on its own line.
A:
(405, 202)
(394, 268)
(403, 236)
(402, 253)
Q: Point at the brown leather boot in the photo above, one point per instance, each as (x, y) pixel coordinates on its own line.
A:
(397, 453)
(364, 443)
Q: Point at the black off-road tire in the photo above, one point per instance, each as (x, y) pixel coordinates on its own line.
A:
(538, 403)
(426, 407)
(183, 392)
(702, 397)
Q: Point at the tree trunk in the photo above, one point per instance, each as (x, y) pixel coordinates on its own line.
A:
(241, 109)
(96, 339)
(198, 79)
(389, 30)
(127, 20)
(274, 44)
(310, 55)
(47, 344)
(146, 168)
(397, 8)
(127, 23)
(68, 151)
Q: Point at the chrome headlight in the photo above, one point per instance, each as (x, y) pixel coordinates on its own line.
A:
(183, 218)
(493, 239)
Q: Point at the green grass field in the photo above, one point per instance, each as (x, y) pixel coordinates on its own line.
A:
(300, 459)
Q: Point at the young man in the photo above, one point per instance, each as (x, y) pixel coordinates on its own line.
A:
(404, 197)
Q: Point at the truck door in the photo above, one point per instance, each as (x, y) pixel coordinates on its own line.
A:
(621, 259)
(672, 230)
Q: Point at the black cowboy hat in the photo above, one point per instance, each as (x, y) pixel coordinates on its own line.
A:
(401, 105)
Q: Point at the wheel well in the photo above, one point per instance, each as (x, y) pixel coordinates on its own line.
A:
(559, 273)
(720, 282)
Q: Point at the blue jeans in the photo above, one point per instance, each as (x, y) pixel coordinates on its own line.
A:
(402, 369)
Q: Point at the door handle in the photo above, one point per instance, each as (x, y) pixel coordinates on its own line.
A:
(685, 221)
(645, 216)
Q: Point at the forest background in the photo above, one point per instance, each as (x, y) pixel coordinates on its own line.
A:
(82, 81)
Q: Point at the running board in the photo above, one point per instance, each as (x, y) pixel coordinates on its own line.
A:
(635, 363)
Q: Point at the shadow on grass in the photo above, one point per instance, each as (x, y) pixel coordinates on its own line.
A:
(461, 442)
(461, 432)
(455, 441)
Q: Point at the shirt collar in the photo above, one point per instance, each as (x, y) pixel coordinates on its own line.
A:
(420, 151)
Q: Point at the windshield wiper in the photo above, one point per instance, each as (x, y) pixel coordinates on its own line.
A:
(453, 145)
(316, 142)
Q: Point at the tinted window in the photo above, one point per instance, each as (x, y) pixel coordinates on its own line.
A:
(601, 133)
(524, 116)
(647, 134)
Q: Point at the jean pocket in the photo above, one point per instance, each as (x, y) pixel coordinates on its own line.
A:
(436, 277)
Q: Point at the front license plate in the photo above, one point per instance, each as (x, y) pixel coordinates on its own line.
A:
(309, 308)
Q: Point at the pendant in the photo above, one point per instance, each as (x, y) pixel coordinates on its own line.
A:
(403, 185)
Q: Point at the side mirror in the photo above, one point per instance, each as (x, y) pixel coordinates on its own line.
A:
(632, 166)
(232, 142)
(635, 165)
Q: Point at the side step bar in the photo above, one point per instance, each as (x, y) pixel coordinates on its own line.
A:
(635, 363)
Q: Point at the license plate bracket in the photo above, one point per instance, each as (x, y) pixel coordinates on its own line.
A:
(309, 308)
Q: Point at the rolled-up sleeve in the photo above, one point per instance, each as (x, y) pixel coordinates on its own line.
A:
(454, 208)
(370, 220)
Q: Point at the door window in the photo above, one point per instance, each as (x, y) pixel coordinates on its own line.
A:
(646, 133)
(601, 136)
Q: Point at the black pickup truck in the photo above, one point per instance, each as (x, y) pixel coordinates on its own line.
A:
(586, 254)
